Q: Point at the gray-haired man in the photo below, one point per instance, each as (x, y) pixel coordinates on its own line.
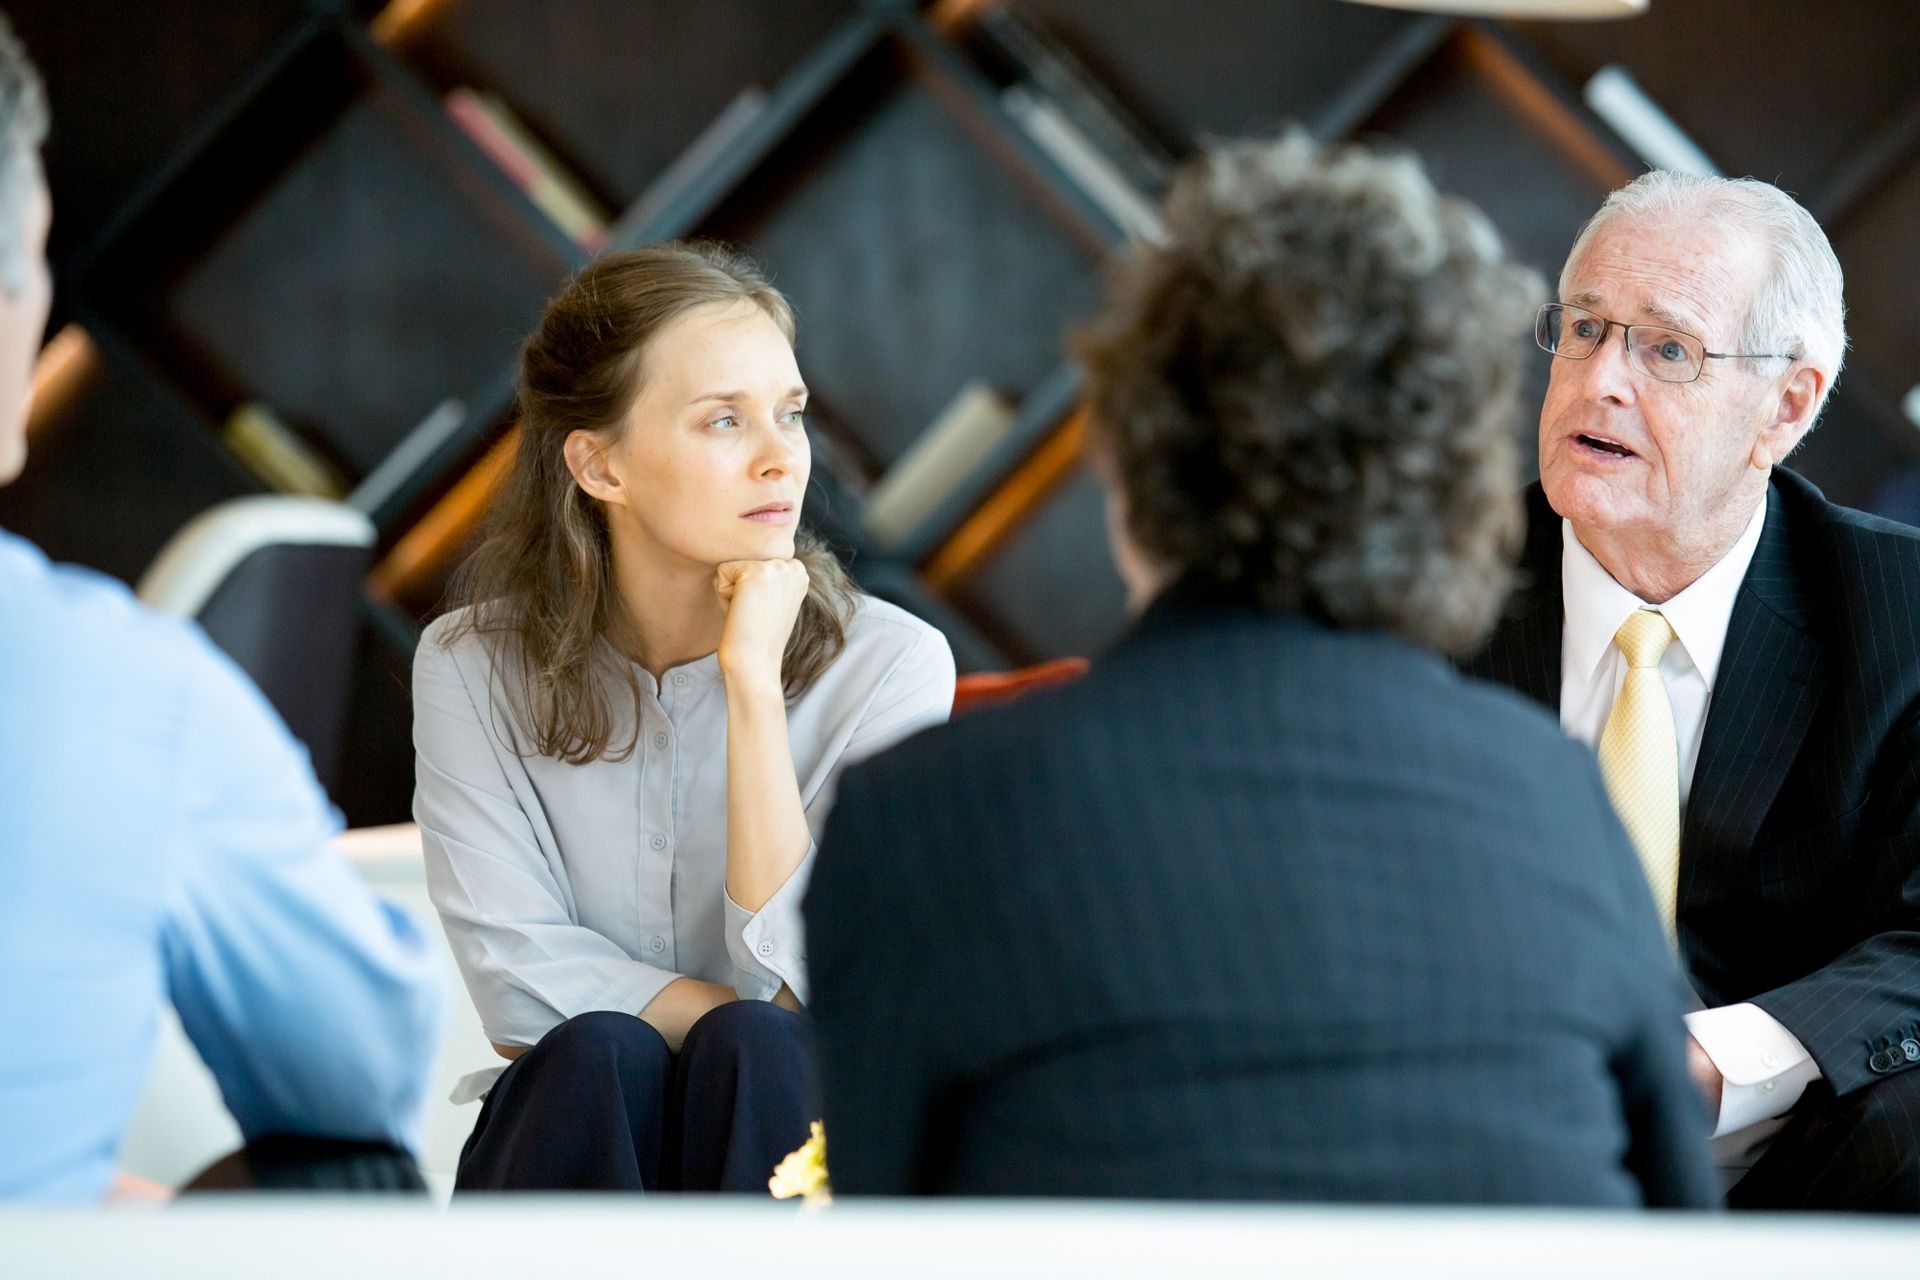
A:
(1745, 656)
(162, 838)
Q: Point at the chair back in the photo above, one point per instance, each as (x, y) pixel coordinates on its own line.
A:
(275, 582)
(985, 688)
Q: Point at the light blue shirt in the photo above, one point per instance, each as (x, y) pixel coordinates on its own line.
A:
(162, 839)
(567, 888)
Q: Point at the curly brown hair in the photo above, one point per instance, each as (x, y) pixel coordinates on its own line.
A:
(541, 585)
(1307, 390)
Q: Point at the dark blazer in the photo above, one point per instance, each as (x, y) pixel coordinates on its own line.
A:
(1800, 850)
(1257, 910)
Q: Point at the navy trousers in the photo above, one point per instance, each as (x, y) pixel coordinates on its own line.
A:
(1859, 1153)
(601, 1104)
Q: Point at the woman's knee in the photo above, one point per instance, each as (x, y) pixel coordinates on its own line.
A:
(742, 1024)
(602, 1036)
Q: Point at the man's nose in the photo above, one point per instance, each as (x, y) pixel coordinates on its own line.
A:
(1609, 370)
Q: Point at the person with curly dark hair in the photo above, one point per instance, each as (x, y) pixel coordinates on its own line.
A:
(1306, 399)
(1273, 904)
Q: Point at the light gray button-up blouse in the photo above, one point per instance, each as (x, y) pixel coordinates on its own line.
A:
(571, 888)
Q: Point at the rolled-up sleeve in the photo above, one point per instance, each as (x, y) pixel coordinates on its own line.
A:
(314, 1003)
(768, 947)
(528, 964)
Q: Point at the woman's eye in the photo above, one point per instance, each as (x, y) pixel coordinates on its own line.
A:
(726, 421)
(795, 417)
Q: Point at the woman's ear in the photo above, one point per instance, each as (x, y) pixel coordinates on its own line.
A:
(590, 461)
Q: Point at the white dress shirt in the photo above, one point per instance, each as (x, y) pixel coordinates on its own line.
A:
(569, 888)
(1765, 1065)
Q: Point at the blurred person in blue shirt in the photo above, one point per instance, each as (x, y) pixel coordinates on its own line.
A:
(162, 838)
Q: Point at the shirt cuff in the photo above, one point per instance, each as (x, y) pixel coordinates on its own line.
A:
(1764, 1065)
(630, 987)
(769, 946)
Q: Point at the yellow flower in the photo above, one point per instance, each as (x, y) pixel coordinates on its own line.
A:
(804, 1173)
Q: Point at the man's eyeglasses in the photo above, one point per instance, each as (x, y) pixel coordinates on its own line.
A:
(1658, 352)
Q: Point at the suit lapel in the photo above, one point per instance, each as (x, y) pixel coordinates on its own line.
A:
(1524, 651)
(1770, 679)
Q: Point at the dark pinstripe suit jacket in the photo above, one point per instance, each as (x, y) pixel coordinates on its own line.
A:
(1800, 851)
(1256, 910)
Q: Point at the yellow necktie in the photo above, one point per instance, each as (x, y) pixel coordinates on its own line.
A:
(1640, 760)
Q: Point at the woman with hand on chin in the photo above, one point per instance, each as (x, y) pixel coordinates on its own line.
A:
(629, 732)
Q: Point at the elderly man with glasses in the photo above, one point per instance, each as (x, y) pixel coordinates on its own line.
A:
(1745, 658)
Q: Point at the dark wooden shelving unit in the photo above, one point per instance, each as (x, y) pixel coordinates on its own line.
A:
(329, 172)
(1035, 575)
(1778, 89)
(1229, 70)
(293, 215)
(901, 196)
(582, 84)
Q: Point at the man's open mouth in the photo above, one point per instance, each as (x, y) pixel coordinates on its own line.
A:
(1604, 445)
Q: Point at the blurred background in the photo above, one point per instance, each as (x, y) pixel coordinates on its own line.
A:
(297, 245)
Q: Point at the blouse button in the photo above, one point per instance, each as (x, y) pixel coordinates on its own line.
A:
(659, 944)
(659, 842)
(765, 948)
(680, 678)
(659, 739)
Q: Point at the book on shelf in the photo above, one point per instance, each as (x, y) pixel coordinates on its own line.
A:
(275, 452)
(972, 425)
(415, 449)
(1054, 74)
(495, 129)
(699, 156)
(1086, 165)
(1617, 98)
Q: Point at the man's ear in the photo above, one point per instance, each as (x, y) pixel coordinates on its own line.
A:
(1142, 575)
(589, 460)
(1793, 410)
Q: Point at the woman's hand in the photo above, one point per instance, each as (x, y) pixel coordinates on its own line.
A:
(763, 599)
(680, 1004)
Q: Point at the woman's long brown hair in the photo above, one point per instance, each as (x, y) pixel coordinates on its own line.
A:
(540, 586)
